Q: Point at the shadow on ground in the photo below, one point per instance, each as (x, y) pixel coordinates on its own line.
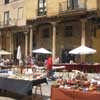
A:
(14, 96)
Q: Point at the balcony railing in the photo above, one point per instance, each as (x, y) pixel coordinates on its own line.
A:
(12, 22)
(68, 5)
(76, 5)
(41, 11)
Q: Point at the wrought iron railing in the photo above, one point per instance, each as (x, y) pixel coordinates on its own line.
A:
(12, 22)
(72, 5)
(7, 23)
(41, 11)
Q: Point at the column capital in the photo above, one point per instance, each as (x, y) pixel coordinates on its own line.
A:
(53, 23)
(25, 32)
(30, 27)
(83, 20)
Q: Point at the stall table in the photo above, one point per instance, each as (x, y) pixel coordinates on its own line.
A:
(81, 67)
(68, 94)
(23, 87)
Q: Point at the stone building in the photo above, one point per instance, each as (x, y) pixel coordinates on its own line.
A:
(52, 24)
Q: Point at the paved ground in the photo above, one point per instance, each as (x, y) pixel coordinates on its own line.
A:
(46, 90)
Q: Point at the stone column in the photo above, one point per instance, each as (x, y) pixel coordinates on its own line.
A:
(11, 43)
(31, 40)
(26, 43)
(83, 21)
(0, 41)
(54, 41)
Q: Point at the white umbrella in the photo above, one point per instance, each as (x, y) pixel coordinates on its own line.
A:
(3, 52)
(82, 50)
(41, 50)
(19, 53)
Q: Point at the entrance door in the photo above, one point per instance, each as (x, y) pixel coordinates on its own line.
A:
(19, 39)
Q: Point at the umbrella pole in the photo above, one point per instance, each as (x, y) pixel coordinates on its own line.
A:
(82, 59)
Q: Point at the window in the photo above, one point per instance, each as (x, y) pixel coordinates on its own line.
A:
(6, 1)
(46, 33)
(41, 7)
(0, 19)
(6, 17)
(20, 13)
(72, 4)
(68, 31)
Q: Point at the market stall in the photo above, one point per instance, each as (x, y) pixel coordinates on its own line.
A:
(78, 86)
(70, 94)
(82, 67)
(12, 80)
(23, 87)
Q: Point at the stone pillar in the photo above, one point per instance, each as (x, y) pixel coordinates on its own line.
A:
(54, 41)
(12, 42)
(31, 40)
(0, 41)
(26, 43)
(83, 21)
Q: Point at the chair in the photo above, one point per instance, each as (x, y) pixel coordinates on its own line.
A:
(38, 85)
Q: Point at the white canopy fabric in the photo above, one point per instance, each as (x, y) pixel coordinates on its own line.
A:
(3, 52)
(41, 50)
(19, 53)
(82, 50)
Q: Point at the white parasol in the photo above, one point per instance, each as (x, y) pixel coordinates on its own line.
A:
(42, 50)
(3, 52)
(82, 50)
(19, 53)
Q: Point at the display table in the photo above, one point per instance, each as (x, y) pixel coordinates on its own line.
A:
(81, 67)
(68, 94)
(23, 87)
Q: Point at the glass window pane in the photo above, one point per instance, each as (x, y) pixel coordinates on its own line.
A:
(6, 17)
(41, 5)
(20, 13)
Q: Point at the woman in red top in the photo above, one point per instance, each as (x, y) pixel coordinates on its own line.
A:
(49, 63)
(49, 67)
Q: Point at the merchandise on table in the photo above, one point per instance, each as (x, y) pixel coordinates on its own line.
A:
(78, 81)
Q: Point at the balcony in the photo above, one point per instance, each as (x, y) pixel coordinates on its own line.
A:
(77, 5)
(7, 23)
(41, 11)
(12, 22)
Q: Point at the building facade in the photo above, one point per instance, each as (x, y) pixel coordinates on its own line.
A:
(13, 25)
(53, 24)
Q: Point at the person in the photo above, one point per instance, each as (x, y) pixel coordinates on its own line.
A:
(57, 60)
(49, 68)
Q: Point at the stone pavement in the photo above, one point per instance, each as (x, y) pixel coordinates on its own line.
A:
(46, 89)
